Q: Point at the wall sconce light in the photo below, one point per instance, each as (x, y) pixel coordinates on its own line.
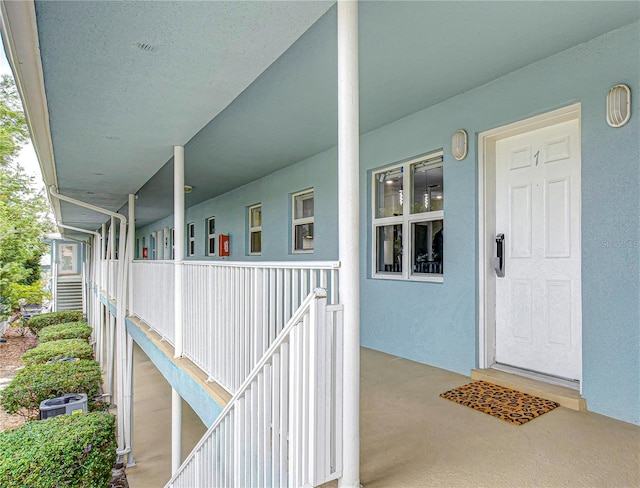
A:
(459, 145)
(618, 105)
(188, 188)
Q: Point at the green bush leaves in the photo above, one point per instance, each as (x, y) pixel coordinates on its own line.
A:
(38, 322)
(71, 330)
(38, 382)
(65, 348)
(74, 451)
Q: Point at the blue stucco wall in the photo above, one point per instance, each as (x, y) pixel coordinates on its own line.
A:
(274, 192)
(436, 323)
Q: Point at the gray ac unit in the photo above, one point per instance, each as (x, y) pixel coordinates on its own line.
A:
(69, 404)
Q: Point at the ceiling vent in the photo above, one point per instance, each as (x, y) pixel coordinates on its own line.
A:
(618, 105)
(143, 46)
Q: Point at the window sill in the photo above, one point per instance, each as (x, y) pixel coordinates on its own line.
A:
(414, 278)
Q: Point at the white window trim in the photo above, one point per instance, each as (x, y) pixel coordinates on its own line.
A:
(210, 236)
(406, 220)
(302, 221)
(191, 225)
(257, 228)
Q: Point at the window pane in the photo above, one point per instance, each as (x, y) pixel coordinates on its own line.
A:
(212, 226)
(427, 247)
(212, 246)
(192, 230)
(192, 248)
(303, 206)
(303, 237)
(428, 188)
(389, 249)
(256, 217)
(389, 193)
(256, 242)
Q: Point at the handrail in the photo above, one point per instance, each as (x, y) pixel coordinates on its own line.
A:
(251, 264)
(234, 414)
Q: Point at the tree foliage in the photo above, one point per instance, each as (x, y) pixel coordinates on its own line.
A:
(24, 211)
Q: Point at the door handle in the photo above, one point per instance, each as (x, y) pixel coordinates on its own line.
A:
(498, 261)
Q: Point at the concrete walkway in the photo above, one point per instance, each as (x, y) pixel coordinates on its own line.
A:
(410, 437)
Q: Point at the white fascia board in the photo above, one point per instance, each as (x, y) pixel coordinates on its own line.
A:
(21, 43)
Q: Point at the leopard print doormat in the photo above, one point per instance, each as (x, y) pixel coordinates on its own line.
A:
(504, 403)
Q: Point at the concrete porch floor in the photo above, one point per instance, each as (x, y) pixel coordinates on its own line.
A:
(410, 437)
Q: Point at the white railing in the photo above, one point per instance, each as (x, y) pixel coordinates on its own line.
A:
(112, 277)
(233, 311)
(153, 296)
(283, 426)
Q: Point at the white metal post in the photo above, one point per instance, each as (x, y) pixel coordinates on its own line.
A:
(131, 235)
(176, 431)
(348, 229)
(178, 224)
(178, 219)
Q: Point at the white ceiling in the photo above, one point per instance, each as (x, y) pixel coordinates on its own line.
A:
(250, 87)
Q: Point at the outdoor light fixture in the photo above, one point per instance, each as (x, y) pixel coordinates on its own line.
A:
(459, 145)
(618, 105)
(188, 188)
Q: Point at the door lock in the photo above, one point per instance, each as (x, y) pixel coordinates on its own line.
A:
(498, 261)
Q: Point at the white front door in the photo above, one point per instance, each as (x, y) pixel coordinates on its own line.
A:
(538, 301)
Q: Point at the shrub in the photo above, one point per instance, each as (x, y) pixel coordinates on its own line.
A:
(38, 382)
(38, 322)
(70, 330)
(75, 451)
(65, 348)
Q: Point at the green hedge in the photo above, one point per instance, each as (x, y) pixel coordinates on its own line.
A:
(64, 348)
(74, 451)
(38, 382)
(70, 330)
(38, 322)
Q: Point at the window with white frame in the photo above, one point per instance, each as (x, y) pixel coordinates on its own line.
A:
(255, 229)
(138, 252)
(302, 224)
(191, 239)
(211, 236)
(408, 220)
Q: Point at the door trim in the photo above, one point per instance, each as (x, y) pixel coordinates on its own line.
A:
(487, 222)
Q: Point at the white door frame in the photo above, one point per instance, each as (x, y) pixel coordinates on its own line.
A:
(487, 221)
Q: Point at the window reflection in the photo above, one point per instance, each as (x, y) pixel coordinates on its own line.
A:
(427, 247)
(389, 240)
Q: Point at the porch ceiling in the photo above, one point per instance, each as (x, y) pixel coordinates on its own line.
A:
(125, 81)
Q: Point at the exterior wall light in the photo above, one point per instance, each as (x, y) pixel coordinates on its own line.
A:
(188, 188)
(459, 145)
(618, 105)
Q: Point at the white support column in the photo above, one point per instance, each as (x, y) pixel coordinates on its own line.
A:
(348, 229)
(178, 224)
(178, 220)
(121, 341)
(176, 431)
(131, 236)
